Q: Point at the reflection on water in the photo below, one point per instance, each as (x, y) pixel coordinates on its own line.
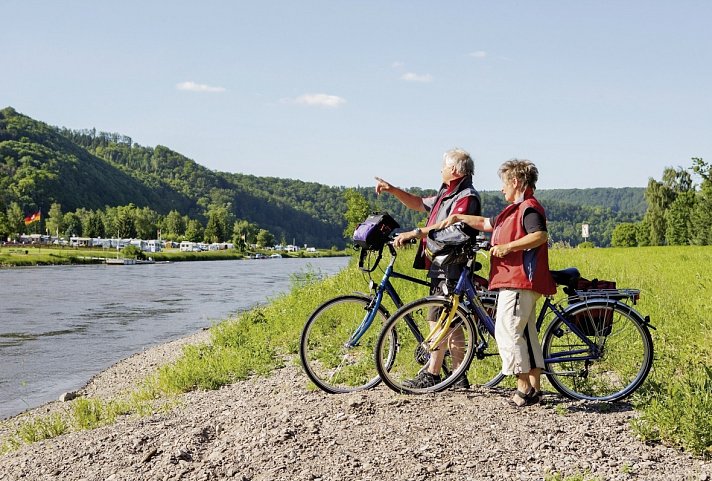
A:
(61, 325)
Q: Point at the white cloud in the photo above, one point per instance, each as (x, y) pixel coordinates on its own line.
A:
(194, 87)
(320, 100)
(414, 77)
(479, 54)
(397, 64)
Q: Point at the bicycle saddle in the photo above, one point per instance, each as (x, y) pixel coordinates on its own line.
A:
(566, 277)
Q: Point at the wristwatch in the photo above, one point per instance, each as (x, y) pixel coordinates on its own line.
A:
(418, 232)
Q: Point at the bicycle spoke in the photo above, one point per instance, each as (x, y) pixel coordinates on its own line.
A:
(486, 368)
(622, 363)
(411, 324)
(328, 359)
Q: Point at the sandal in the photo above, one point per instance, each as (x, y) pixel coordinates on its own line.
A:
(520, 399)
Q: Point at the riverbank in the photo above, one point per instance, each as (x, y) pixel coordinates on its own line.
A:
(30, 255)
(275, 428)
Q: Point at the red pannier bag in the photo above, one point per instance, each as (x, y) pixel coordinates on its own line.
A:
(595, 322)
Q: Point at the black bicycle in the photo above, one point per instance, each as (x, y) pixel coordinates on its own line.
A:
(337, 341)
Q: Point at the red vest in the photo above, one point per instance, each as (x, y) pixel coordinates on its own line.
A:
(527, 269)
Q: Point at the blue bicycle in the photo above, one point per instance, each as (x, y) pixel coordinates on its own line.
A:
(337, 341)
(596, 345)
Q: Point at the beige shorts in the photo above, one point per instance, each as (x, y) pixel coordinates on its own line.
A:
(515, 331)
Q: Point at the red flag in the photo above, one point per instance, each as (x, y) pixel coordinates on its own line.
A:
(33, 218)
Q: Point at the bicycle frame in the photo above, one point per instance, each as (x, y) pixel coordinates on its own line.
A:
(386, 287)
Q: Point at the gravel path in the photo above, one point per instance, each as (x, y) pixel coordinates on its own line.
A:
(275, 429)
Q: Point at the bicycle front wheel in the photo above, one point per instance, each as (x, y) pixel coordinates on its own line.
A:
(615, 368)
(332, 359)
(408, 327)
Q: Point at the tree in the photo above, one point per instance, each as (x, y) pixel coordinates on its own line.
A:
(72, 225)
(624, 235)
(55, 219)
(357, 209)
(678, 219)
(265, 238)
(220, 220)
(125, 223)
(94, 225)
(4, 226)
(173, 225)
(642, 233)
(701, 222)
(245, 231)
(15, 219)
(194, 231)
(659, 197)
(213, 230)
(145, 221)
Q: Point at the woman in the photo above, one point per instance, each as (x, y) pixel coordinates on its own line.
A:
(519, 268)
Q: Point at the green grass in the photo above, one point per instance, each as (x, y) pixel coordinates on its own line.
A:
(675, 401)
(676, 292)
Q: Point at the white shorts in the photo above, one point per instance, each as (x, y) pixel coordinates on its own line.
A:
(515, 331)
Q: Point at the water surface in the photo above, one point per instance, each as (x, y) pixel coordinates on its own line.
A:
(61, 325)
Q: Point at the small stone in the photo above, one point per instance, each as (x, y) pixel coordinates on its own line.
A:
(68, 396)
(149, 454)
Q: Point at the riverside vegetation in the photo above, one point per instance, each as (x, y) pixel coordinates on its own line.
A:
(674, 403)
(23, 256)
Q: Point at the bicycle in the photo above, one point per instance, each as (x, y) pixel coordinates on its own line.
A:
(336, 345)
(595, 348)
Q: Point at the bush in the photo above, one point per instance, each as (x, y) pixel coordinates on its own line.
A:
(133, 252)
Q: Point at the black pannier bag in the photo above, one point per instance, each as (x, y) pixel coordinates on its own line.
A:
(372, 233)
(448, 246)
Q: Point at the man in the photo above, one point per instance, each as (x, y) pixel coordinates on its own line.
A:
(455, 196)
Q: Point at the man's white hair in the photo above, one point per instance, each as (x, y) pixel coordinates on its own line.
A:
(461, 160)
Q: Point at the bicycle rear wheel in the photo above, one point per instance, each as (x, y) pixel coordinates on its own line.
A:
(486, 367)
(326, 354)
(409, 326)
(625, 351)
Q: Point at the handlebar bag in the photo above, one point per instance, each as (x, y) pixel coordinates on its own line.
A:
(448, 246)
(372, 233)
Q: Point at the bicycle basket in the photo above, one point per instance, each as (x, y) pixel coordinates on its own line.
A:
(372, 233)
(449, 245)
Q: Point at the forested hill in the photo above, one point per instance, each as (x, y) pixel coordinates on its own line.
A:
(626, 199)
(41, 165)
(38, 166)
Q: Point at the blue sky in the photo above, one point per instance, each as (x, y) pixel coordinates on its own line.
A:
(596, 93)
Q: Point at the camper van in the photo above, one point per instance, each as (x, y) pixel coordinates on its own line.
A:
(187, 246)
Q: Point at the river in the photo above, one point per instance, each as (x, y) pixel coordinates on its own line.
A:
(61, 325)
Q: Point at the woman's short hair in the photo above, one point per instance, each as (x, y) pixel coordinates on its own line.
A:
(461, 160)
(521, 169)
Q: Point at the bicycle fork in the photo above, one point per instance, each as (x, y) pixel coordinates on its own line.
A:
(441, 330)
